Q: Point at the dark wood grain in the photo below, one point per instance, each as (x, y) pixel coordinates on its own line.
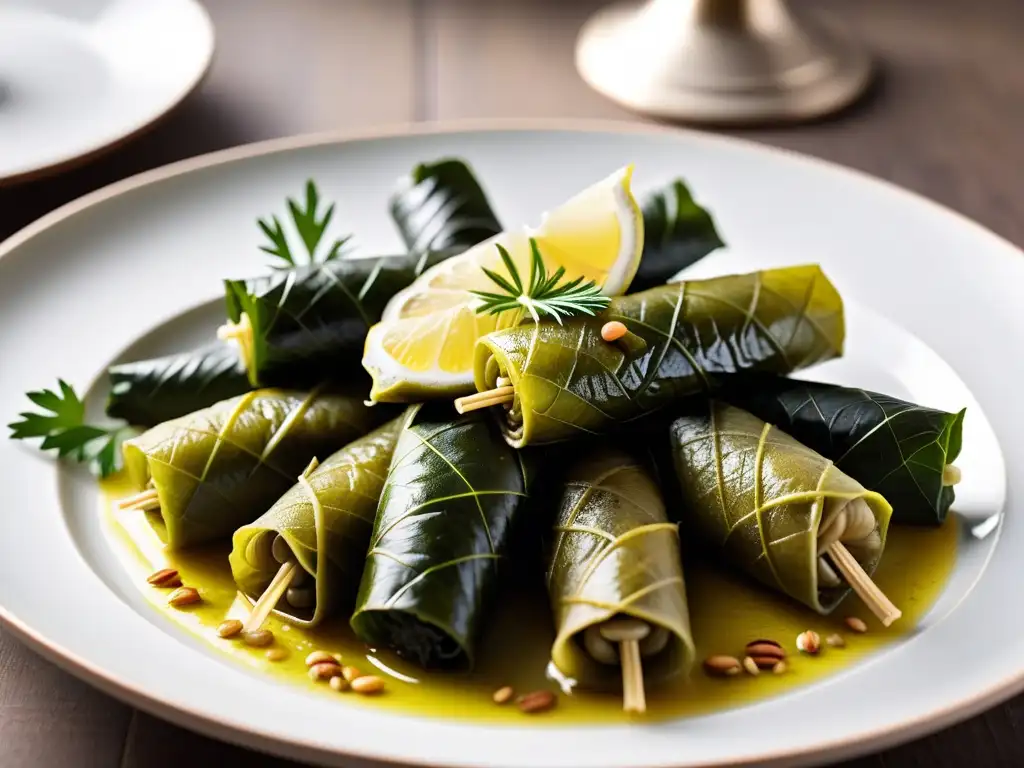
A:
(946, 119)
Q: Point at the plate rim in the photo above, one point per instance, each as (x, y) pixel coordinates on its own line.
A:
(125, 136)
(224, 727)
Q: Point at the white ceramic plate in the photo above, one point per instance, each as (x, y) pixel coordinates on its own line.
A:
(78, 76)
(933, 316)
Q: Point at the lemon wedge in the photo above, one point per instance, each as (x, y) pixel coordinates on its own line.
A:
(423, 345)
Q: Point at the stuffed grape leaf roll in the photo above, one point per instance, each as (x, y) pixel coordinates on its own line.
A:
(147, 392)
(219, 468)
(299, 327)
(568, 382)
(770, 506)
(445, 522)
(615, 555)
(324, 524)
(441, 206)
(902, 450)
(677, 233)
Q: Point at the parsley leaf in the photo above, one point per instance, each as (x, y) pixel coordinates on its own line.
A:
(310, 225)
(62, 427)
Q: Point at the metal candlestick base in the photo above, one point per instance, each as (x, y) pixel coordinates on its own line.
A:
(719, 61)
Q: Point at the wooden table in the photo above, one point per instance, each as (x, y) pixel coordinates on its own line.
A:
(946, 120)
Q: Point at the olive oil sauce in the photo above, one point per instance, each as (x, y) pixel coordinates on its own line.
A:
(726, 612)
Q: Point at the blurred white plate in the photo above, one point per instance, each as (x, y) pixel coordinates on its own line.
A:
(79, 76)
(934, 315)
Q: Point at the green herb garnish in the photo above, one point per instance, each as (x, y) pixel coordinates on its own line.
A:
(309, 224)
(63, 429)
(544, 296)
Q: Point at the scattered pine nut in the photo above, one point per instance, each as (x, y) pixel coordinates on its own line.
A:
(183, 596)
(751, 666)
(323, 671)
(259, 638)
(537, 701)
(165, 577)
(229, 628)
(320, 657)
(350, 673)
(367, 684)
(722, 666)
(835, 641)
(765, 653)
(338, 683)
(779, 668)
(808, 642)
(337, 657)
(765, 648)
(613, 331)
(857, 625)
(503, 695)
(277, 654)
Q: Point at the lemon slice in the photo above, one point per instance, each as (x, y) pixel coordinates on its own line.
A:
(423, 345)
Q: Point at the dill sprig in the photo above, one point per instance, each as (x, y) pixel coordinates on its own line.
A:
(544, 297)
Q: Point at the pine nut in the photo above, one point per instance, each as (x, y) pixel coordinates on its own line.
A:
(165, 577)
(765, 653)
(503, 695)
(320, 657)
(368, 684)
(857, 625)
(183, 596)
(229, 628)
(538, 701)
(259, 638)
(323, 671)
(338, 683)
(722, 666)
